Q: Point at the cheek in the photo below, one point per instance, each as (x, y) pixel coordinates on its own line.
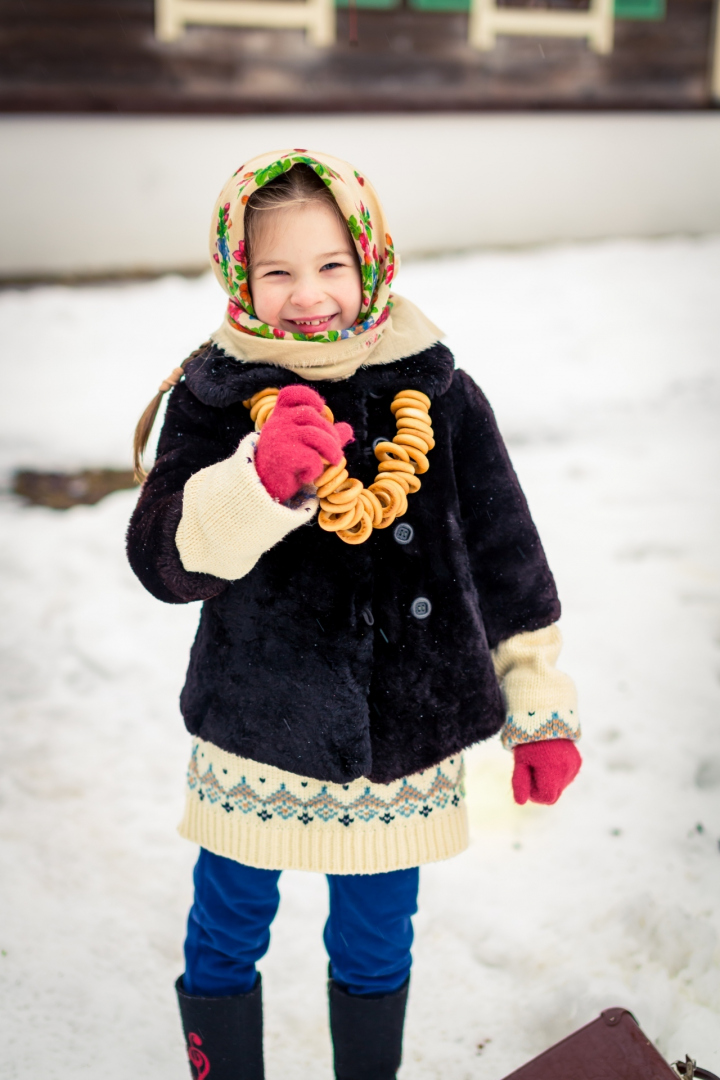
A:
(267, 300)
(352, 297)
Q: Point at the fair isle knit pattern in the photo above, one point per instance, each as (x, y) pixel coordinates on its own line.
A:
(276, 820)
(528, 727)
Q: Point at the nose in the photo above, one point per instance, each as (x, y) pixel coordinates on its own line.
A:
(306, 294)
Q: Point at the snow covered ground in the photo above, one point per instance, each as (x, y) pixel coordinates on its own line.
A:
(602, 363)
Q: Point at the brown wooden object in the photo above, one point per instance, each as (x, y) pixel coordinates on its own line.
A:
(610, 1048)
(60, 491)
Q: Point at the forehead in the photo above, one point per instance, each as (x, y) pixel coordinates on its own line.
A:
(300, 227)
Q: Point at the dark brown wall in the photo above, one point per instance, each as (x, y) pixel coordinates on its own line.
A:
(102, 56)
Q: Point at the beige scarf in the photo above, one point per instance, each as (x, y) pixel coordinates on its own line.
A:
(405, 332)
(387, 328)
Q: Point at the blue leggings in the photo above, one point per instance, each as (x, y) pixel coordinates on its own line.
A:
(368, 933)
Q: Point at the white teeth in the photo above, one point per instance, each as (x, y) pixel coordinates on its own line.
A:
(312, 322)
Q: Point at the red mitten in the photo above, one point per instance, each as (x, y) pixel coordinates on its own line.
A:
(544, 769)
(294, 441)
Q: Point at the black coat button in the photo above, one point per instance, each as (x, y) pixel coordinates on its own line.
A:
(403, 533)
(380, 438)
(420, 607)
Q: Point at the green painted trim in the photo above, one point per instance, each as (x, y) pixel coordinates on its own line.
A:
(624, 9)
(640, 9)
(440, 5)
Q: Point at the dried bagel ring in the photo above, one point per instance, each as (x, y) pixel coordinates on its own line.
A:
(333, 475)
(418, 395)
(265, 395)
(417, 427)
(384, 450)
(335, 522)
(326, 489)
(360, 532)
(354, 510)
(331, 470)
(402, 508)
(263, 415)
(387, 501)
(372, 505)
(406, 439)
(347, 492)
(383, 497)
(264, 411)
(418, 414)
(390, 504)
(328, 414)
(269, 390)
(403, 402)
(262, 400)
(402, 478)
(386, 522)
(420, 460)
(359, 511)
(336, 508)
(393, 488)
(422, 427)
(261, 394)
(396, 466)
(414, 484)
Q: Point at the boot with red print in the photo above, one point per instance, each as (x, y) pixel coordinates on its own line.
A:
(224, 1035)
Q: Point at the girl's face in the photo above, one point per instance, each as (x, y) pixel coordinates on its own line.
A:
(304, 272)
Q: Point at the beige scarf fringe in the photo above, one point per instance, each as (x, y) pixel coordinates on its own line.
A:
(406, 332)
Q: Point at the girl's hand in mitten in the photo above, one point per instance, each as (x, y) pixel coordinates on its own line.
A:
(294, 441)
(544, 769)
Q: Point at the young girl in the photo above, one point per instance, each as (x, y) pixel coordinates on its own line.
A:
(376, 600)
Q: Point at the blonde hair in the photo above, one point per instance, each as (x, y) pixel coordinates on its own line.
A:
(146, 421)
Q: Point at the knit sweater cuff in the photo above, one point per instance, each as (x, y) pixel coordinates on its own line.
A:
(229, 520)
(540, 701)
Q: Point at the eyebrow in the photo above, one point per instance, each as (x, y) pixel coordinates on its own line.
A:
(327, 255)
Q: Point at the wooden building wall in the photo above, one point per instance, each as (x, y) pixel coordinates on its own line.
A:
(103, 56)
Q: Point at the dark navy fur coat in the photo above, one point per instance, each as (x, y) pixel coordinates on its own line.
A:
(316, 661)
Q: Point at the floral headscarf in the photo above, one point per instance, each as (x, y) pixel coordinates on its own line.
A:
(362, 211)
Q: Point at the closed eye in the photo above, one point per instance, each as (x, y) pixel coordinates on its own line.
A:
(332, 266)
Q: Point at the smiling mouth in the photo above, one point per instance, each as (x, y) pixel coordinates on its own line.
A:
(313, 322)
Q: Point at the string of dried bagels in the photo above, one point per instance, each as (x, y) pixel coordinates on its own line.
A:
(346, 506)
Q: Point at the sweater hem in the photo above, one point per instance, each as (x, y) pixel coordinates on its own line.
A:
(327, 850)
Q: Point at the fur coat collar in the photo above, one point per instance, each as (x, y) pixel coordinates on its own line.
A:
(219, 380)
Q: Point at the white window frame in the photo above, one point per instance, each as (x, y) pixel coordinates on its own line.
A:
(597, 24)
(316, 17)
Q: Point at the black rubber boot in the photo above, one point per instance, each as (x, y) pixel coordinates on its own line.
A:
(224, 1035)
(367, 1033)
